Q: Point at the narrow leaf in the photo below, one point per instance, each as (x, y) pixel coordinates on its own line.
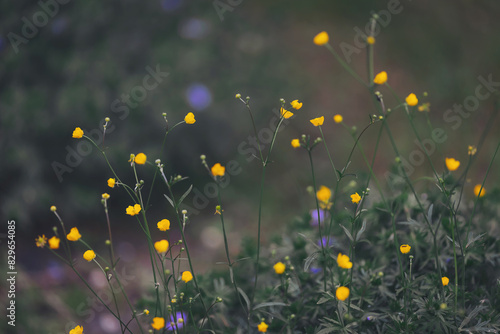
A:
(347, 232)
(185, 194)
(169, 200)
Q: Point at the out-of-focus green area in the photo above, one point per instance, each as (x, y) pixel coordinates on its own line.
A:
(91, 59)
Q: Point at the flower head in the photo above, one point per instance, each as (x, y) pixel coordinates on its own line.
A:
(187, 276)
(321, 38)
(445, 280)
(380, 78)
(54, 242)
(452, 164)
(163, 225)
(405, 248)
(295, 143)
(262, 327)
(133, 210)
(140, 159)
(111, 182)
(317, 121)
(478, 191)
(89, 255)
(189, 119)
(343, 261)
(338, 118)
(41, 241)
(279, 268)
(105, 196)
(146, 311)
(355, 198)
(370, 40)
(161, 246)
(324, 194)
(411, 100)
(342, 293)
(424, 107)
(78, 133)
(158, 323)
(285, 113)
(76, 330)
(218, 170)
(176, 321)
(296, 104)
(74, 235)
(53, 208)
(471, 150)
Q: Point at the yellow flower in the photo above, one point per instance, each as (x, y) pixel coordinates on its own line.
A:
(189, 119)
(472, 150)
(424, 107)
(295, 143)
(76, 330)
(187, 276)
(54, 242)
(355, 198)
(296, 104)
(41, 241)
(163, 225)
(343, 261)
(477, 188)
(338, 118)
(74, 235)
(279, 268)
(285, 113)
(317, 121)
(105, 196)
(140, 159)
(111, 182)
(370, 40)
(262, 327)
(146, 311)
(445, 280)
(78, 133)
(218, 170)
(411, 100)
(321, 38)
(161, 246)
(158, 323)
(405, 248)
(324, 194)
(342, 293)
(452, 164)
(380, 78)
(89, 255)
(133, 210)
(53, 208)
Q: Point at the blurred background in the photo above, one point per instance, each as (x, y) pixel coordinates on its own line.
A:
(73, 63)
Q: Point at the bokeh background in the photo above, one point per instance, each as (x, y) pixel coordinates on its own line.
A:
(78, 66)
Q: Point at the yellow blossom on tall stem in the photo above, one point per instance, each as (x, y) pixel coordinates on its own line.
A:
(41, 241)
(54, 242)
(163, 225)
(111, 182)
(140, 159)
(317, 121)
(338, 118)
(370, 40)
(322, 38)
(445, 280)
(411, 100)
(105, 196)
(262, 327)
(74, 235)
(343, 261)
(89, 255)
(452, 164)
(77, 133)
(324, 194)
(478, 191)
(279, 268)
(296, 104)
(76, 330)
(158, 323)
(285, 113)
(161, 246)
(355, 198)
(342, 293)
(133, 210)
(218, 170)
(189, 119)
(405, 248)
(295, 143)
(380, 78)
(187, 276)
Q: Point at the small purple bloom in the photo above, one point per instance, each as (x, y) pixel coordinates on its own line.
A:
(176, 324)
(199, 96)
(327, 241)
(323, 214)
(315, 270)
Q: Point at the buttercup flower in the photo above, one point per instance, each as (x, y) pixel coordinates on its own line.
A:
(452, 164)
(324, 194)
(405, 248)
(54, 242)
(140, 159)
(472, 150)
(342, 293)
(73, 235)
(286, 114)
(296, 104)
(411, 100)
(218, 170)
(187, 276)
(338, 118)
(380, 78)
(445, 280)
(321, 38)
(105, 196)
(76, 330)
(89, 255)
(158, 323)
(133, 210)
(111, 182)
(424, 107)
(295, 143)
(317, 121)
(355, 198)
(477, 189)
(78, 133)
(279, 268)
(262, 327)
(370, 40)
(343, 261)
(163, 225)
(189, 119)
(146, 311)
(161, 246)
(53, 208)
(41, 241)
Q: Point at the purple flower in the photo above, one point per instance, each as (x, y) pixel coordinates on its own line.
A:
(327, 241)
(315, 270)
(175, 321)
(323, 214)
